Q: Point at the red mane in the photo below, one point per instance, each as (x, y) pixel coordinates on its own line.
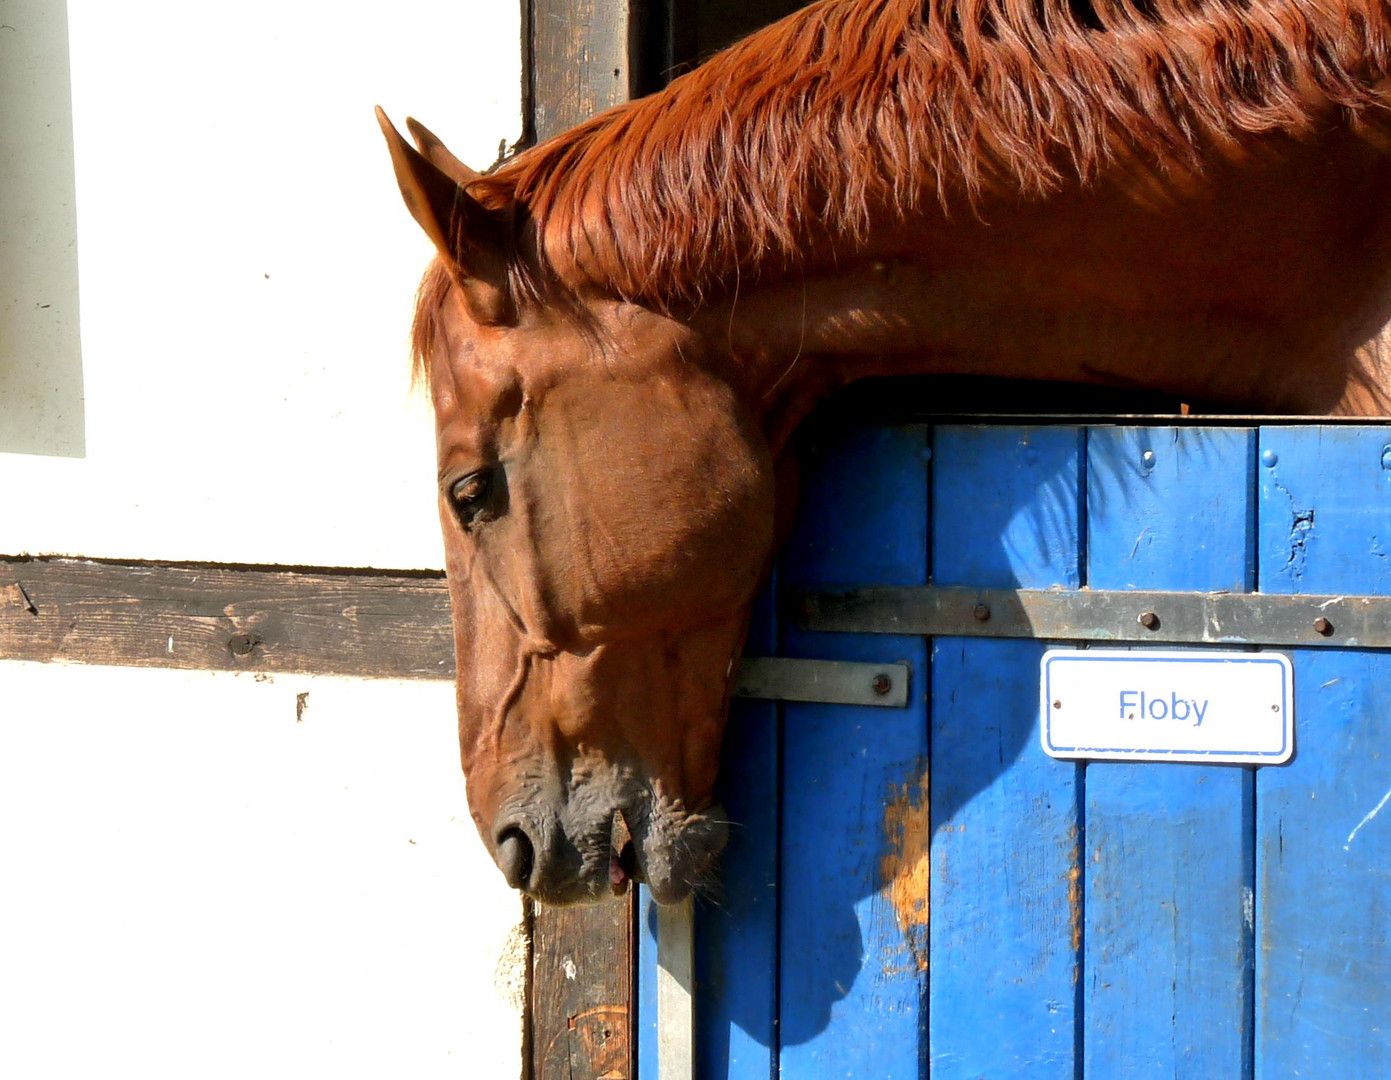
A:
(851, 109)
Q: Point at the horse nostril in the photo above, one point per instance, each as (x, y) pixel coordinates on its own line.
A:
(515, 856)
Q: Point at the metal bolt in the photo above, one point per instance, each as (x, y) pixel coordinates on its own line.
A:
(1147, 459)
(982, 613)
(1270, 459)
(241, 645)
(1057, 704)
(1149, 620)
(1323, 626)
(1386, 457)
(881, 683)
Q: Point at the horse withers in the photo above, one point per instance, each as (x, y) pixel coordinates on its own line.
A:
(624, 324)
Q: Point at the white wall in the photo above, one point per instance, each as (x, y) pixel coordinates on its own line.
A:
(246, 271)
(210, 876)
(198, 881)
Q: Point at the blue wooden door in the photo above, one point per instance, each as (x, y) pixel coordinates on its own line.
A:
(923, 893)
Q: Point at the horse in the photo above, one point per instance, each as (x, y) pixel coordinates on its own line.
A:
(624, 324)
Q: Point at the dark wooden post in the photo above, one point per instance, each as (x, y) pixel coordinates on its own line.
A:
(580, 1024)
(580, 61)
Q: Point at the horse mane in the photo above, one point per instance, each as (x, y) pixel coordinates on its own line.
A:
(850, 114)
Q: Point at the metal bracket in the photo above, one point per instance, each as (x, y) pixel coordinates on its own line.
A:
(1177, 618)
(835, 682)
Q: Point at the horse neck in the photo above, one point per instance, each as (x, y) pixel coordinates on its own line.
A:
(799, 340)
(1030, 310)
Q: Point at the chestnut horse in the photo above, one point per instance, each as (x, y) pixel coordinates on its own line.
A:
(624, 324)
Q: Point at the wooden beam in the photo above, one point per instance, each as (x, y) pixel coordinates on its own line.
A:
(676, 991)
(211, 618)
(581, 61)
(582, 992)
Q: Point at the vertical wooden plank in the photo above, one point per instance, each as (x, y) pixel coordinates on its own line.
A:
(1006, 894)
(582, 989)
(1324, 826)
(581, 992)
(1169, 860)
(579, 62)
(676, 991)
(737, 929)
(646, 1002)
(854, 826)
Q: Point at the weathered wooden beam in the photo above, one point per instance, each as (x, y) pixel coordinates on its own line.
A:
(581, 61)
(209, 618)
(582, 992)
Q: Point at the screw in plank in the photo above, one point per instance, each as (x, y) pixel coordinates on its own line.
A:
(1149, 620)
(982, 612)
(241, 645)
(1323, 626)
(881, 684)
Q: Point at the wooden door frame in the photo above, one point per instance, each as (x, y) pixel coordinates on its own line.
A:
(581, 57)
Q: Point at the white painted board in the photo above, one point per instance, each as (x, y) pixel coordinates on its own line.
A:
(1151, 705)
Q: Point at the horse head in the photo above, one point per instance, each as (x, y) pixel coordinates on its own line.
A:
(624, 323)
(607, 504)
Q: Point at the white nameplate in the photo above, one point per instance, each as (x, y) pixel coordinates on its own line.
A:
(1168, 706)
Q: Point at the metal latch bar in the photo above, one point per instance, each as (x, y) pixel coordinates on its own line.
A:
(833, 682)
(1177, 618)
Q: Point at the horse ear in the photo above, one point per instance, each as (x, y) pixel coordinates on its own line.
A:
(463, 230)
(438, 155)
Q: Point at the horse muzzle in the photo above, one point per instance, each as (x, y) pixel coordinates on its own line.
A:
(571, 857)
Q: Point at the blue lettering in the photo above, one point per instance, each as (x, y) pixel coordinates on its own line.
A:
(1183, 710)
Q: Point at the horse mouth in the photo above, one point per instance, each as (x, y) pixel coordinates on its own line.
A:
(623, 856)
(670, 859)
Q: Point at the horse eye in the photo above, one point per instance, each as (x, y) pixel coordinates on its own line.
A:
(470, 494)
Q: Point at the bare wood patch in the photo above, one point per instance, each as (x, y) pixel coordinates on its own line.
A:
(905, 867)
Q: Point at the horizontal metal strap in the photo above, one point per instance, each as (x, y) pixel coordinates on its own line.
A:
(1178, 618)
(834, 682)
